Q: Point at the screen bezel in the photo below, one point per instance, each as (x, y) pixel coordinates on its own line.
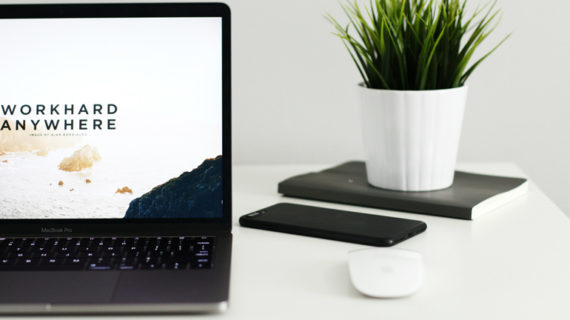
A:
(121, 226)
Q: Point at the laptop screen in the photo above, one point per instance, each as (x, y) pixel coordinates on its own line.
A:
(111, 118)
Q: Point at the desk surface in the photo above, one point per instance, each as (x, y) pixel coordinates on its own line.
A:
(512, 263)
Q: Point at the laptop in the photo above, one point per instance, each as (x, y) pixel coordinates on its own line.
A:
(115, 160)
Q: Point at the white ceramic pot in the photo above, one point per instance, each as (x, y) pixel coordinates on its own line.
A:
(411, 137)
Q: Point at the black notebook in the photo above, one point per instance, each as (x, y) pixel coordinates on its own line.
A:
(470, 195)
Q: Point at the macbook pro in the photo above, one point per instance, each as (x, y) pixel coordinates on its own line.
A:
(115, 160)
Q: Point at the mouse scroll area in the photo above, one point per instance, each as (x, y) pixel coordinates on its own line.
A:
(386, 272)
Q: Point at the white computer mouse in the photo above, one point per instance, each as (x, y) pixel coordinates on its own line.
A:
(386, 272)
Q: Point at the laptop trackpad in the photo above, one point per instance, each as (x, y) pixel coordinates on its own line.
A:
(57, 287)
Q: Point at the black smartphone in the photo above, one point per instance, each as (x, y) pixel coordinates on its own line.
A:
(332, 224)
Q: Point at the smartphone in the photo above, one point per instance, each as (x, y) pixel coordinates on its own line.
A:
(332, 224)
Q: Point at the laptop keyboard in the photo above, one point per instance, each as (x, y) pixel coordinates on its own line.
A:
(100, 254)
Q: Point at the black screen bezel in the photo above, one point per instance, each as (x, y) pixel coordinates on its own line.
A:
(120, 226)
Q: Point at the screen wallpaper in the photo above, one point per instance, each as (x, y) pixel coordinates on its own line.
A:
(110, 118)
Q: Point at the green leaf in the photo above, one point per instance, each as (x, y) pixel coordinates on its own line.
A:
(415, 44)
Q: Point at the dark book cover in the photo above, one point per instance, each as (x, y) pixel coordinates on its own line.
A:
(470, 195)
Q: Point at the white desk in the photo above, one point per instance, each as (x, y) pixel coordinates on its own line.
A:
(512, 263)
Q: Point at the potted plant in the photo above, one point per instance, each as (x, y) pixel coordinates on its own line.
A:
(414, 58)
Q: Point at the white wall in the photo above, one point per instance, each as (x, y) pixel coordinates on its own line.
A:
(295, 101)
(294, 97)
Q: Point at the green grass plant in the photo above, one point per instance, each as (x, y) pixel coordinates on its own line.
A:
(416, 44)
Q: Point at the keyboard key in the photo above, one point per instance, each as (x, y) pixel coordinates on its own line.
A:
(99, 267)
(127, 267)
